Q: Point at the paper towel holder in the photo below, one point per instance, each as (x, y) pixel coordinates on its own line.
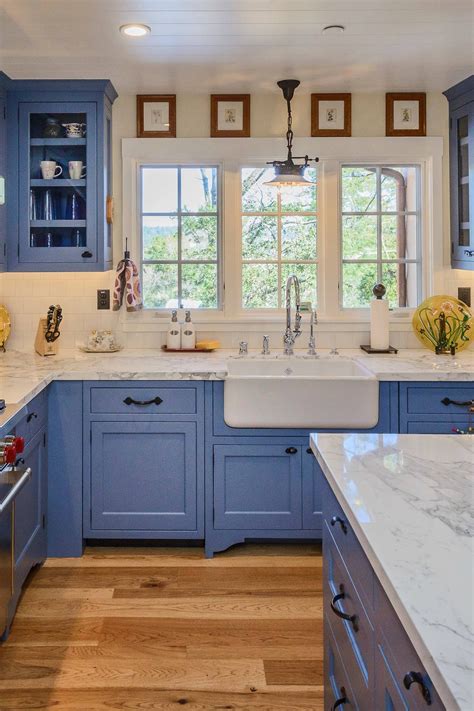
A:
(379, 291)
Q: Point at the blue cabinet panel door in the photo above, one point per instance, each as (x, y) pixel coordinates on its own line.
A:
(144, 476)
(257, 487)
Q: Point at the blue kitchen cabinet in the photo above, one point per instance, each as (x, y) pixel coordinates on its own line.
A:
(435, 408)
(144, 478)
(61, 223)
(3, 167)
(312, 492)
(257, 487)
(30, 511)
(461, 156)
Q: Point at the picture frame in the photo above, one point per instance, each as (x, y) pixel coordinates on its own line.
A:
(331, 115)
(156, 115)
(405, 114)
(230, 115)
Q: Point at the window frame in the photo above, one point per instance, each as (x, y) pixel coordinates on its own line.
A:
(179, 214)
(279, 261)
(231, 155)
(379, 213)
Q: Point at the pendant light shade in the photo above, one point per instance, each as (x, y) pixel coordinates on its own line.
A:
(287, 172)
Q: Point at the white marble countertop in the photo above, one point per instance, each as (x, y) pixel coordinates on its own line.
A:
(24, 375)
(409, 499)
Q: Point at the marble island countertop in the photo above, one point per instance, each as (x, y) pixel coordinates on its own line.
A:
(409, 499)
(24, 375)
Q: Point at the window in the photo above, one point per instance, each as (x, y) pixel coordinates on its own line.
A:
(380, 234)
(278, 238)
(180, 236)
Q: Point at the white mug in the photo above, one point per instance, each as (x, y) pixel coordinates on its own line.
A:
(49, 168)
(76, 169)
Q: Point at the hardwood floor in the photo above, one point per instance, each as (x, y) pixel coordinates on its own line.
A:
(164, 628)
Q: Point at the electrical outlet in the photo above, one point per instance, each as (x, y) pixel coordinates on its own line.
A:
(103, 299)
(464, 294)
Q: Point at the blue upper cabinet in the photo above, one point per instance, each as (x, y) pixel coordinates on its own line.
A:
(59, 175)
(4, 81)
(461, 152)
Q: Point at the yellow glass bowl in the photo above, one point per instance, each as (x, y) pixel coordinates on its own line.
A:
(442, 323)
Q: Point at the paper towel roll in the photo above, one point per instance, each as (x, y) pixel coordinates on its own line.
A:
(379, 329)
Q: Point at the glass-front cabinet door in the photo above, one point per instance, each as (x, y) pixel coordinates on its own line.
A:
(57, 183)
(462, 193)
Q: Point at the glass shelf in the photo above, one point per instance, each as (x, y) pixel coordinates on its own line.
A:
(58, 223)
(62, 141)
(57, 182)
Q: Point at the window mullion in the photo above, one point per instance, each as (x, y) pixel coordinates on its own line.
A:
(180, 282)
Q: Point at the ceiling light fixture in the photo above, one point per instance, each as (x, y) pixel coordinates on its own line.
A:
(287, 172)
(333, 29)
(135, 30)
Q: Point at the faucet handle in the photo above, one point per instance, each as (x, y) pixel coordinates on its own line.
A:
(266, 345)
(243, 348)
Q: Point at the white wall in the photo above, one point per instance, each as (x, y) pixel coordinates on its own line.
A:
(28, 296)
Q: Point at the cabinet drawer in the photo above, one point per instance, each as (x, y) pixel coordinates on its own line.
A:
(436, 427)
(400, 656)
(160, 400)
(428, 400)
(339, 529)
(37, 412)
(336, 682)
(355, 636)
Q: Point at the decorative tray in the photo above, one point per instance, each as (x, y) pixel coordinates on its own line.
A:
(187, 350)
(86, 349)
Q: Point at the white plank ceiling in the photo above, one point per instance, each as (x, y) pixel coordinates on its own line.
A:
(245, 45)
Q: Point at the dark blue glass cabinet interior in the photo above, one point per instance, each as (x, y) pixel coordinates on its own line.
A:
(60, 175)
(461, 151)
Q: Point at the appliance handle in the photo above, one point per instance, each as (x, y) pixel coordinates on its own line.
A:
(15, 490)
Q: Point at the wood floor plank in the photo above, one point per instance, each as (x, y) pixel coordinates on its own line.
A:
(285, 672)
(152, 628)
(156, 700)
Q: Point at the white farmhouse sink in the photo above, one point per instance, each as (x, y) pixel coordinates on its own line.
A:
(300, 392)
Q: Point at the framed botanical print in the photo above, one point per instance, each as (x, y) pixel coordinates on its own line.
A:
(230, 115)
(405, 114)
(156, 116)
(331, 114)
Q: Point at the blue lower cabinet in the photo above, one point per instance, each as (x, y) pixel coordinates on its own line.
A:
(312, 492)
(29, 541)
(257, 487)
(338, 692)
(145, 480)
(388, 694)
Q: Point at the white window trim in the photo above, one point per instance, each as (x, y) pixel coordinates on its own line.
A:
(233, 153)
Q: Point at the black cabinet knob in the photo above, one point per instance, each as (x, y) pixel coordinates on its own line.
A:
(87, 254)
(416, 678)
(341, 522)
(309, 451)
(291, 450)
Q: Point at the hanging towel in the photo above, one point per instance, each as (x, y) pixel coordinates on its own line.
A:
(127, 286)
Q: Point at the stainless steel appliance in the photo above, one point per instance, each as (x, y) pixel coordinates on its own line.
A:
(12, 481)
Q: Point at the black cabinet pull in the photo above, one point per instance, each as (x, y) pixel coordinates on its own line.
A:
(87, 254)
(31, 416)
(309, 451)
(343, 615)
(341, 522)
(416, 678)
(467, 403)
(155, 401)
(341, 700)
(291, 450)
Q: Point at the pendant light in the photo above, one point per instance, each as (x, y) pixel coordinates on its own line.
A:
(287, 172)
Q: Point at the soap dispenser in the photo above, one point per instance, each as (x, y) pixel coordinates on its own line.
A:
(188, 337)
(173, 337)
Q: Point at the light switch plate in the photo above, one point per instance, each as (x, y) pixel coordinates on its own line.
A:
(464, 294)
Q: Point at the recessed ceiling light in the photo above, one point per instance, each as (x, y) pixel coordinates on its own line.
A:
(333, 29)
(134, 30)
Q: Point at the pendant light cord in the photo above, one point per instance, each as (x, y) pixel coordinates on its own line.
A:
(289, 133)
